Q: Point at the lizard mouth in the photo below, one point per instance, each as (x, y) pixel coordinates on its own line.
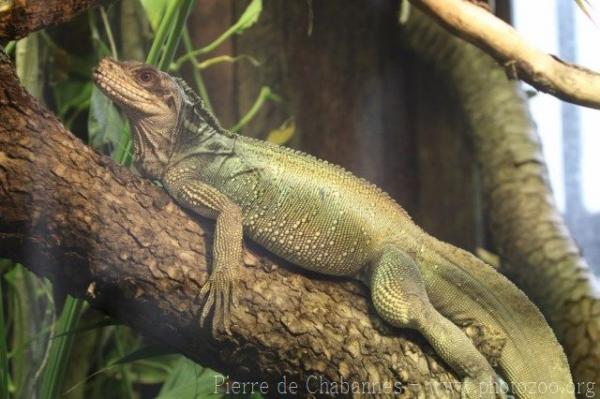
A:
(114, 81)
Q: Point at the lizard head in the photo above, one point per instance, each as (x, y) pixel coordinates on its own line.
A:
(140, 90)
(151, 100)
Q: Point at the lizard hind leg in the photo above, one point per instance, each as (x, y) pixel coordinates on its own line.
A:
(399, 297)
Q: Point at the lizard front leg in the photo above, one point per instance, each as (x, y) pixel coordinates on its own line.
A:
(221, 289)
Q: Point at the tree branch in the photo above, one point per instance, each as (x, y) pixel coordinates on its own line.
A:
(19, 17)
(115, 239)
(520, 59)
(537, 251)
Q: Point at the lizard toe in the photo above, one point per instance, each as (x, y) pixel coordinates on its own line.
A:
(219, 292)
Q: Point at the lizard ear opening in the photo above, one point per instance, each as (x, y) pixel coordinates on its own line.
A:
(172, 100)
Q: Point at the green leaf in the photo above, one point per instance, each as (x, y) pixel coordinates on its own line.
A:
(99, 324)
(163, 31)
(189, 380)
(138, 355)
(248, 18)
(155, 10)
(177, 29)
(27, 62)
(145, 353)
(10, 47)
(106, 128)
(60, 350)
(72, 94)
(153, 371)
(282, 134)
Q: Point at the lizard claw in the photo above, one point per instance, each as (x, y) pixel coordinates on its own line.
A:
(221, 292)
(482, 387)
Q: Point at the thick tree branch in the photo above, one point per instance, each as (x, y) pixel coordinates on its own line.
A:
(19, 17)
(520, 59)
(528, 231)
(104, 234)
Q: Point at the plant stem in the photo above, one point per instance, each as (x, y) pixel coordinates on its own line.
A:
(162, 32)
(109, 35)
(264, 95)
(248, 18)
(191, 55)
(226, 58)
(180, 10)
(175, 34)
(187, 42)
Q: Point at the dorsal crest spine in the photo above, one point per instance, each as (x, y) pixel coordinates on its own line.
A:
(195, 105)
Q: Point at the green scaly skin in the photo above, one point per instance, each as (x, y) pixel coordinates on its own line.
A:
(323, 218)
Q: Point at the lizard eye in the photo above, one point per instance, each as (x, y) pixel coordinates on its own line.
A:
(146, 75)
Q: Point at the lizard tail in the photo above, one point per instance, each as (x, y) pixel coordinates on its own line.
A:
(524, 347)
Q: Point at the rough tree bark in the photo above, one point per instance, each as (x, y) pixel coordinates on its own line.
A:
(18, 17)
(529, 233)
(113, 238)
(106, 235)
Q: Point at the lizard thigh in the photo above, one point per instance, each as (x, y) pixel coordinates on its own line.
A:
(399, 297)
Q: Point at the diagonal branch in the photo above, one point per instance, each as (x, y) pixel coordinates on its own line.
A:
(537, 250)
(104, 234)
(520, 59)
(19, 17)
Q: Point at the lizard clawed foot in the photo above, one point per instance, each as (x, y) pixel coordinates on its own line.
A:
(484, 387)
(220, 291)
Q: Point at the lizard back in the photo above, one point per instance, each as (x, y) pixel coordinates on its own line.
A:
(298, 206)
